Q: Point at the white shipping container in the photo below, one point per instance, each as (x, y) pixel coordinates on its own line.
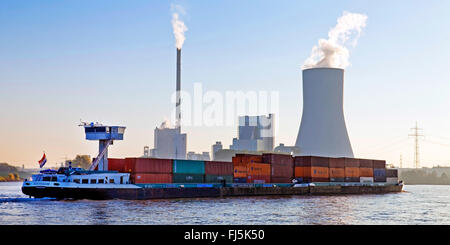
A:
(365, 179)
(392, 180)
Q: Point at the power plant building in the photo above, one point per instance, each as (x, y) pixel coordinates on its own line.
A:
(256, 133)
(169, 143)
(215, 148)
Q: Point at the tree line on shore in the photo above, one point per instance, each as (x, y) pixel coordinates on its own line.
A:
(11, 173)
(424, 177)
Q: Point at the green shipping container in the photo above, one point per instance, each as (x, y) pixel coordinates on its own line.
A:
(188, 167)
(188, 178)
(218, 178)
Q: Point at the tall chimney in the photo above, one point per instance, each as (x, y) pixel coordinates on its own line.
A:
(178, 102)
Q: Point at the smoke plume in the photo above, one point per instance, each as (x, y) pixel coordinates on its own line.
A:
(333, 52)
(165, 124)
(178, 30)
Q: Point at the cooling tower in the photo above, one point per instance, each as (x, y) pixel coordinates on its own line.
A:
(322, 129)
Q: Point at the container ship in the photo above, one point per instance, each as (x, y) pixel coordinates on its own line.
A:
(246, 175)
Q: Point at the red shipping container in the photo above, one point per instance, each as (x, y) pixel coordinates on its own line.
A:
(379, 163)
(310, 161)
(116, 164)
(351, 162)
(282, 170)
(148, 165)
(365, 163)
(282, 166)
(143, 178)
(337, 163)
(277, 158)
(218, 168)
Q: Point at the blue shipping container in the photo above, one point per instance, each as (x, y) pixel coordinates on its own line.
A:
(379, 175)
(239, 180)
(188, 167)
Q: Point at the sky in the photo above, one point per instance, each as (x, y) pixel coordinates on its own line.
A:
(114, 62)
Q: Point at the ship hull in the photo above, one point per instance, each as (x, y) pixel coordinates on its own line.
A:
(119, 193)
(167, 193)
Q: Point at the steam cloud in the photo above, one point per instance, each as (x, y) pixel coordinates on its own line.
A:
(178, 30)
(333, 51)
(165, 124)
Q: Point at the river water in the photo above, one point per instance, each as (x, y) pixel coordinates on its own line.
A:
(419, 204)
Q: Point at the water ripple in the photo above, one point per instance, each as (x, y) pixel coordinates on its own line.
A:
(416, 205)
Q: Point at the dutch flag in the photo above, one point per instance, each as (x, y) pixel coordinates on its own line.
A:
(42, 161)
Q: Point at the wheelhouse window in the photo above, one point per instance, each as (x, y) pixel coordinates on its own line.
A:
(54, 178)
(111, 181)
(76, 180)
(93, 181)
(85, 181)
(101, 181)
(100, 129)
(46, 178)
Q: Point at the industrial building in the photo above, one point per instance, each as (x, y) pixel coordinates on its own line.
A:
(169, 143)
(215, 148)
(204, 156)
(256, 133)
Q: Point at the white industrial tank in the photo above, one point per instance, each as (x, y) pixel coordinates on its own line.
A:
(322, 129)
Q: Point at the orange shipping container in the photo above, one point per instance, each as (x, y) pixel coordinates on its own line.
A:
(319, 172)
(365, 172)
(352, 172)
(337, 172)
(240, 172)
(299, 172)
(258, 169)
(311, 172)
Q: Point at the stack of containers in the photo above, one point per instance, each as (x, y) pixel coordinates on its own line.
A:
(337, 169)
(188, 171)
(216, 172)
(239, 169)
(351, 170)
(239, 174)
(240, 162)
(366, 170)
(282, 167)
(312, 168)
(248, 168)
(391, 176)
(149, 170)
(379, 170)
(258, 173)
